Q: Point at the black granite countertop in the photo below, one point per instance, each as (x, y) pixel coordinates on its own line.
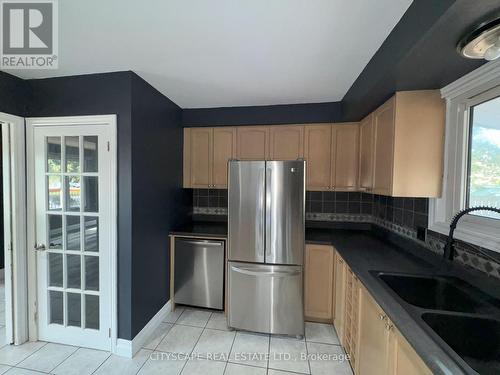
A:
(368, 252)
(207, 229)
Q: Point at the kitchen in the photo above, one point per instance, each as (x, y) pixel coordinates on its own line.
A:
(380, 293)
(318, 195)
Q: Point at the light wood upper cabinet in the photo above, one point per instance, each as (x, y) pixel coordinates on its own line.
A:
(373, 339)
(395, 151)
(339, 304)
(286, 142)
(403, 360)
(252, 143)
(383, 119)
(318, 282)
(345, 157)
(408, 145)
(224, 149)
(198, 166)
(317, 152)
(206, 154)
(332, 154)
(366, 153)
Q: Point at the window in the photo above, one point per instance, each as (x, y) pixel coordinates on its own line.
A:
(472, 158)
(483, 170)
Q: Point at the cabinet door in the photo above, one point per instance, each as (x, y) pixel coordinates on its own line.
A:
(318, 277)
(345, 156)
(224, 142)
(339, 303)
(201, 157)
(318, 145)
(252, 142)
(373, 338)
(287, 142)
(366, 153)
(403, 360)
(350, 335)
(384, 148)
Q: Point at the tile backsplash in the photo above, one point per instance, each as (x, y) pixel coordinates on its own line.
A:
(407, 217)
(411, 213)
(210, 201)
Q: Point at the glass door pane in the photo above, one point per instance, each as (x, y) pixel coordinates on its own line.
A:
(73, 278)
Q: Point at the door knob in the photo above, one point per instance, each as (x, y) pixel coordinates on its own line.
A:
(40, 247)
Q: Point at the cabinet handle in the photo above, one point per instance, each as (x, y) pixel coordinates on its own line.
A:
(382, 316)
(389, 326)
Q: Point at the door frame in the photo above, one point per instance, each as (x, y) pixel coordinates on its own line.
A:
(36, 122)
(14, 197)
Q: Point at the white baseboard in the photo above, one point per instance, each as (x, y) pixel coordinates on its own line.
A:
(123, 348)
(128, 348)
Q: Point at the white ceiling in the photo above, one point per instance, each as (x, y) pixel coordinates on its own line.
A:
(215, 53)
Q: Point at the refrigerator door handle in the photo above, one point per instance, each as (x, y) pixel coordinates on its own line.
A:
(262, 209)
(252, 271)
(269, 193)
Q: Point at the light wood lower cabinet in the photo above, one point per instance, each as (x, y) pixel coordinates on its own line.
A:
(339, 286)
(372, 341)
(403, 360)
(318, 283)
(351, 317)
(373, 338)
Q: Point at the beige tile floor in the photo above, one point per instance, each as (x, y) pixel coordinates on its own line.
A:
(190, 341)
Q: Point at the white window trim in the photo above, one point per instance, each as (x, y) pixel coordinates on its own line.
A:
(460, 95)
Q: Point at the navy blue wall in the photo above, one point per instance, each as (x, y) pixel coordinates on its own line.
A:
(150, 197)
(420, 53)
(14, 94)
(262, 115)
(100, 94)
(159, 202)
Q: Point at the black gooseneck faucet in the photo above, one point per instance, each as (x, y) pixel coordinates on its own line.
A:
(449, 249)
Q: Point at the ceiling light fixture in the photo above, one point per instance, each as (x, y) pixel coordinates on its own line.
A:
(483, 42)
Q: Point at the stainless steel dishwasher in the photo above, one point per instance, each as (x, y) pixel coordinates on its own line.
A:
(199, 273)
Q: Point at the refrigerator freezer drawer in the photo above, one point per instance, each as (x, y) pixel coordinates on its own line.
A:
(199, 273)
(266, 298)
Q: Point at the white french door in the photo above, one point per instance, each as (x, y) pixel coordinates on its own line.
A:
(73, 237)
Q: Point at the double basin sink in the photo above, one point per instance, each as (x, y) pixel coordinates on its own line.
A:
(460, 314)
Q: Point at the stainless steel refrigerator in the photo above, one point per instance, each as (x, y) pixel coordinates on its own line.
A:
(266, 224)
